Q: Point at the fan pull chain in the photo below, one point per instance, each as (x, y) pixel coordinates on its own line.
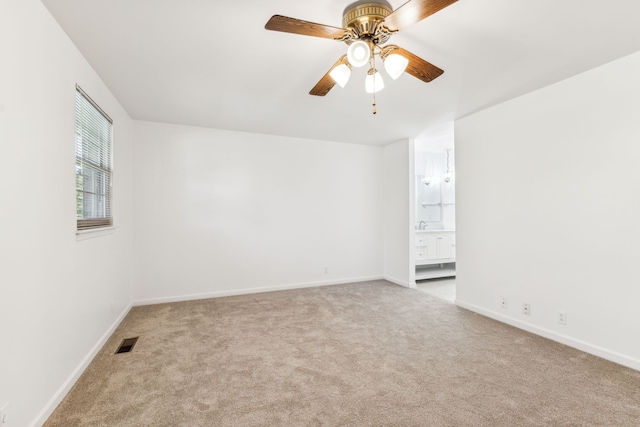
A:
(375, 110)
(372, 69)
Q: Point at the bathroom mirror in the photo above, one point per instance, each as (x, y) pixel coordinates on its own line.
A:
(428, 199)
(429, 213)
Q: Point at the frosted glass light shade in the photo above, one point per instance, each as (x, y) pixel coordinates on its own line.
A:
(373, 83)
(341, 74)
(358, 53)
(395, 65)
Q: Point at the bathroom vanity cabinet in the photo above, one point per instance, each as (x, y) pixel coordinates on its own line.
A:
(435, 254)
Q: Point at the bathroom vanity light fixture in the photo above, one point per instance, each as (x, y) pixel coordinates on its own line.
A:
(448, 174)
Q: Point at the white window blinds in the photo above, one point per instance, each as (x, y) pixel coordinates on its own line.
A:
(93, 163)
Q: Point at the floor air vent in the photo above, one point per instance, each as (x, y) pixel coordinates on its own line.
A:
(127, 345)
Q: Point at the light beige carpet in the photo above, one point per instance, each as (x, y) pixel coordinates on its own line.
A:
(365, 354)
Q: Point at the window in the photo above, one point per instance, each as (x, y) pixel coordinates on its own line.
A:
(93, 164)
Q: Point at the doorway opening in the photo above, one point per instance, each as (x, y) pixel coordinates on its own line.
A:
(434, 228)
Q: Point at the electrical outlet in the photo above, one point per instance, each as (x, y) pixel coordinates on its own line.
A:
(3, 412)
(562, 317)
(526, 308)
(326, 270)
(504, 303)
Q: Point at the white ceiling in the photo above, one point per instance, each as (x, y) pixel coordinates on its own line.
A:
(211, 63)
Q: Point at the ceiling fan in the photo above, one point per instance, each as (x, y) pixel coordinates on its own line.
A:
(367, 26)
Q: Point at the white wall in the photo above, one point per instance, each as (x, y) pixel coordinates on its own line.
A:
(219, 212)
(53, 310)
(548, 206)
(399, 214)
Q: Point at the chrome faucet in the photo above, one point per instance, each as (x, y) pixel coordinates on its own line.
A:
(420, 225)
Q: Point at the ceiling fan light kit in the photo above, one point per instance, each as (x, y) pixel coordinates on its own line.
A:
(366, 27)
(373, 83)
(358, 53)
(341, 74)
(395, 65)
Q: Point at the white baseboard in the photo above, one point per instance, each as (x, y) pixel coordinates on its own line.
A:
(55, 400)
(400, 282)
(234, 292)
(595, 350)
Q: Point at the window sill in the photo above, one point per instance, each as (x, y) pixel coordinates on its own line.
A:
(91, 233)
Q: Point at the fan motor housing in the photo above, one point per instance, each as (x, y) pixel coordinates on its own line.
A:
(364, 18)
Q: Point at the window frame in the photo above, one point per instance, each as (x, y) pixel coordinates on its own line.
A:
(103, 169)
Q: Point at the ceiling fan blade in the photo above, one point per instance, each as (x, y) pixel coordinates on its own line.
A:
(298, 26)
(414, 11)
(418, 67)
(327, 83)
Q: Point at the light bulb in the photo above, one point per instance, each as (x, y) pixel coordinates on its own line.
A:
(341, 74)
(373, 83)
(447, 176)
(358, 53)
(395, 65)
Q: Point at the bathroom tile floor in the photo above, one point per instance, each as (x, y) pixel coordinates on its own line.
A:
(442, 288)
